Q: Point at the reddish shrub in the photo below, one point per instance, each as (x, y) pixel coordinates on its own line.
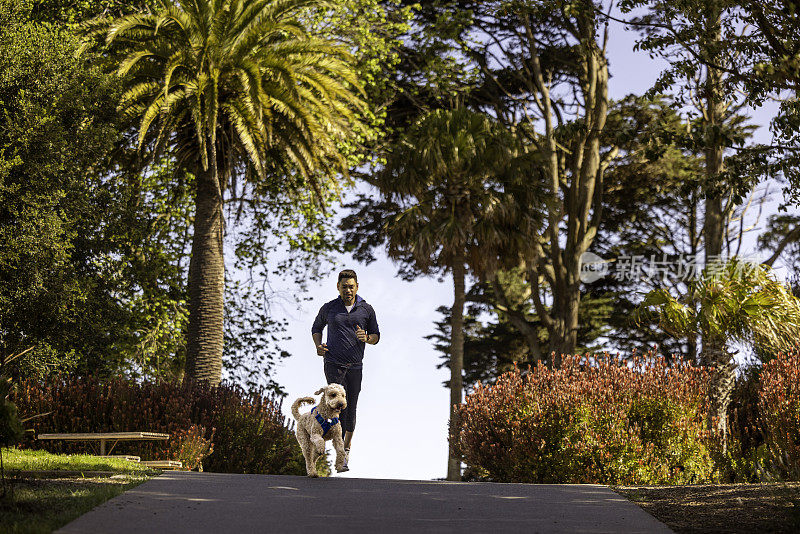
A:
(779, 414)
(190, 447)
(249, 432)
(590, 422)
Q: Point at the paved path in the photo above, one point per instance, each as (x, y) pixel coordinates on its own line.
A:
(188, 502)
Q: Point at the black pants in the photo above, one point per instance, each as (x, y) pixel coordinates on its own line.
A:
(350, 378)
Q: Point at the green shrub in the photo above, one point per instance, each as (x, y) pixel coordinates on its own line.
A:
(10, 425)
(250, 434)
(779, 414)
(595, 421)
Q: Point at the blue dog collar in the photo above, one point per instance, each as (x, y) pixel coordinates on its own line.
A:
(326, 424)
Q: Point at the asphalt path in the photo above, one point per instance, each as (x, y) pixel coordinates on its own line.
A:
(189, 502)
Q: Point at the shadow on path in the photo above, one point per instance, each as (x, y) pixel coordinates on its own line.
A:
(188, 502)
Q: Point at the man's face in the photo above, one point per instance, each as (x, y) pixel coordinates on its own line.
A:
(347, 290)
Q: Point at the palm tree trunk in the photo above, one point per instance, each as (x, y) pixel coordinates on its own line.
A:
(456, 367)
(206, 281)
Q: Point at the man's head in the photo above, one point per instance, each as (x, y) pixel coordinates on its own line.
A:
(347, 286)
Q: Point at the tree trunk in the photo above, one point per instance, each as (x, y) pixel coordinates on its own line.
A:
(456, 367)
(518, 320)
(584, 209)
(566, 340)
(713, 224)
(206, 281)
(723, 376)
(716, 356)
(531, 334)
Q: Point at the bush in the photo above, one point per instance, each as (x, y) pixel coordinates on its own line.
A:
(249, 432)
(190, 447)
(743, 461)
(595, 421)
(779, 414)
(10, 425)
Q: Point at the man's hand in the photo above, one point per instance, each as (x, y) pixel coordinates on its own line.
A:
(322, 348)
(361, 334)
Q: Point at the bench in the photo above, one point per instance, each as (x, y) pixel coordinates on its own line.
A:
(129, 457)
(163, 464)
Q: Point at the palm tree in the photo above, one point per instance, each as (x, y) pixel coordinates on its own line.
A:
(733, 302)
(457, 184)
(232, 87)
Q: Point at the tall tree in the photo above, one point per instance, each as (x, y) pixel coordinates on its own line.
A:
(654, 212)
(454, 180)
(652, 203)
(63, 225)
(694, 36)
(697, 37)
(232, 87)
(545, 75)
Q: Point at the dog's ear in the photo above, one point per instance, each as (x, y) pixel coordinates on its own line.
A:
(320, 390)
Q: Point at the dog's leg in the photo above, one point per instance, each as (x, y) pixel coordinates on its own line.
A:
(313, 454)
(311, 460)
(319, 443)
(338, 446)
(316, 446)
(308, 450)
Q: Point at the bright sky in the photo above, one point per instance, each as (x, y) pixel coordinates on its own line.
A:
(403, 407)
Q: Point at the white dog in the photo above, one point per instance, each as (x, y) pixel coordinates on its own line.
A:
(320, 425)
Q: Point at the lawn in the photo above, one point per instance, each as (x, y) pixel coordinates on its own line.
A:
(47, 491)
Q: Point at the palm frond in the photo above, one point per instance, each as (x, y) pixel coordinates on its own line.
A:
(244, 75)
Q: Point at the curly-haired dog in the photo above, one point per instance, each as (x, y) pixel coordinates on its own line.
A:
(320, 425)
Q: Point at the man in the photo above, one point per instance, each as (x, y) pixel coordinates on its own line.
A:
(351, 323)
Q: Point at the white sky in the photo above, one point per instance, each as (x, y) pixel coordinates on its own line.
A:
(403, 407)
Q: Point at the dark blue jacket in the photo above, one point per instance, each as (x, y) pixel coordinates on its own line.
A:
(344, 348)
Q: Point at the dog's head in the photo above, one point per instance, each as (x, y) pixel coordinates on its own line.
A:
(333, 396)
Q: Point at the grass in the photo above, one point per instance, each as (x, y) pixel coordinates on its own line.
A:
(24, 460)
(45, 503)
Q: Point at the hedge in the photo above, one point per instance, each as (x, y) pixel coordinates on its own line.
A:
(594, 420)
(248, 431)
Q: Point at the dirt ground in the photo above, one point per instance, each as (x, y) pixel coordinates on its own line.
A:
(721, 508)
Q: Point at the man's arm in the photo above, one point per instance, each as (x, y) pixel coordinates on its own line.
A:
(321, 347)
(316, 331)
(372, 326)
(362, 336)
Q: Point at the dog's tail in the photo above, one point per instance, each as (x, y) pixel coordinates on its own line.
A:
(299, 402)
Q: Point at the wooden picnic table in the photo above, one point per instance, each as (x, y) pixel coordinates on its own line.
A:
(103, 437)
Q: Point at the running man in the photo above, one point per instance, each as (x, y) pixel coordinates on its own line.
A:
(351, 323)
